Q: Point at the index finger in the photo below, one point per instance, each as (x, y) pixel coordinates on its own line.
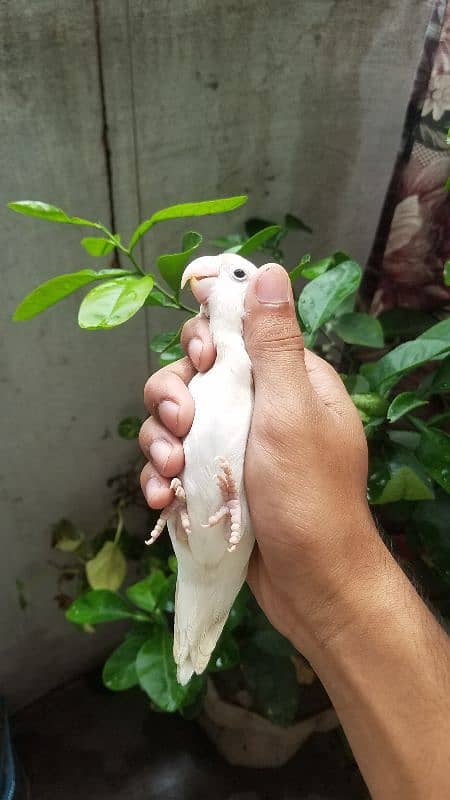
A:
(196, 341)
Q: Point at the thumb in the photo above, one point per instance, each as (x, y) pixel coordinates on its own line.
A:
(271, 332)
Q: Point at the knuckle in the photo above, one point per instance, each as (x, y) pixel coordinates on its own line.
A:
(152, 390)
(146, 434)
(187, 331)
(279, 335)
(147, 472)
(183, 370)
(144, 477)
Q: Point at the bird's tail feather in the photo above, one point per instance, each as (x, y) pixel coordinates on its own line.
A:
(201, 610)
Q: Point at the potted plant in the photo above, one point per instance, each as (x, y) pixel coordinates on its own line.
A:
(258, 699)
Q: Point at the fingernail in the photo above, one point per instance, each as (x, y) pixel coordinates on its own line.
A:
(160, 451)
(152, 488)
(168, 411)
(273, 286)
(195, 350)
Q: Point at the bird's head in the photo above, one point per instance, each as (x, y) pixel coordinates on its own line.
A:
(219, 283)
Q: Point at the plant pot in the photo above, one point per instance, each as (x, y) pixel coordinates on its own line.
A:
(246, 739)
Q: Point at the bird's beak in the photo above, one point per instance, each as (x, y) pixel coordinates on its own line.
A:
(201, 274)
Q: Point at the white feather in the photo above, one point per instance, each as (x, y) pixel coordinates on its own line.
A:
(209, 576)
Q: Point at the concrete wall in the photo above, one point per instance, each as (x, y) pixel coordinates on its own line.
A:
(300, 104)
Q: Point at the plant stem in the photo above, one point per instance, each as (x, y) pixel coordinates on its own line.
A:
(120, 247)
(138, 268)
(135, 264)
(192, 311)
(119, 528)
(173, 299)
(438, 418)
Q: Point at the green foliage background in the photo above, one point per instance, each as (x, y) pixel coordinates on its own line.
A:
(397, 371)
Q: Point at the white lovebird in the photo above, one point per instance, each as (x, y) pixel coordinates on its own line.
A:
(208, 520)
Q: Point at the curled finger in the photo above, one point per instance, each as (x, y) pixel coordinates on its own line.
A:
(197, 342)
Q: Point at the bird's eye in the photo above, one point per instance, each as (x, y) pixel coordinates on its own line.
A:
(239, 274)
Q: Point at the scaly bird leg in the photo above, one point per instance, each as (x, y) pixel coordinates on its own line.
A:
(178, 505)
(231, 505)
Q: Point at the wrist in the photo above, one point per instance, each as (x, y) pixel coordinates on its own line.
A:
(352, 591)
(385, 662)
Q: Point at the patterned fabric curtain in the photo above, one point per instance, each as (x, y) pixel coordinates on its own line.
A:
(413, 239)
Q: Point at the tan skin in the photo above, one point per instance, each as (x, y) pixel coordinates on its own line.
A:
(320, 570)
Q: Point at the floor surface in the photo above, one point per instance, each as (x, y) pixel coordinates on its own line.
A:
(82, 742)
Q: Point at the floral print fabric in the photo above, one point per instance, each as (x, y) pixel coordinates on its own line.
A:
(413, 241)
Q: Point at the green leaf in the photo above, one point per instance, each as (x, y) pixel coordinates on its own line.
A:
(404, 323)
(316, 268)
(371, 404)
(162, 341)
(98, 606)
(408, 439)
(66, 537)
(158, 298)
(385, 373)
(398, 476)
(273, 643)
(56, 289)
(361, 329)
(258, 239)
(254, 224)
(339, 257)
(168, 346)
(226, 654)
(320, 298)
(200, 209)
(403, 404)
(297, 271)
(447, 185)
(227, 242)
(145, 594)
(119, 671)
(434, 453)
(172, 354)
(238, 609)
(172, 266)
(430, 523)
(371, 425)
(129, 427)
(447, 272)
(440, 383)
(194, 700)
(355, 384)
(273, 684)
(296, 224)
(309, 339)
(114, 302)
(441, 331)
(166, 599)
(35, 208)
(97, 246)
(107, 570)
(156, 671)
(172, 563)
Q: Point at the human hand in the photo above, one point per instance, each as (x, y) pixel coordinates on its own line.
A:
(305, 466)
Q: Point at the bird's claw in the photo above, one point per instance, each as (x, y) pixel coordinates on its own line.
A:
(178, 505)
(231, 505)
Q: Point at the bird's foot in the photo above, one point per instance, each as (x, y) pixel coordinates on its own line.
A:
(231, 505)
(178, 505)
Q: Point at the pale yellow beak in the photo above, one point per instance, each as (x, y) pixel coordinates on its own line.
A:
(201, 273)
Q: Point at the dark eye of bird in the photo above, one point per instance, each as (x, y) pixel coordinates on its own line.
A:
(239, 274)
